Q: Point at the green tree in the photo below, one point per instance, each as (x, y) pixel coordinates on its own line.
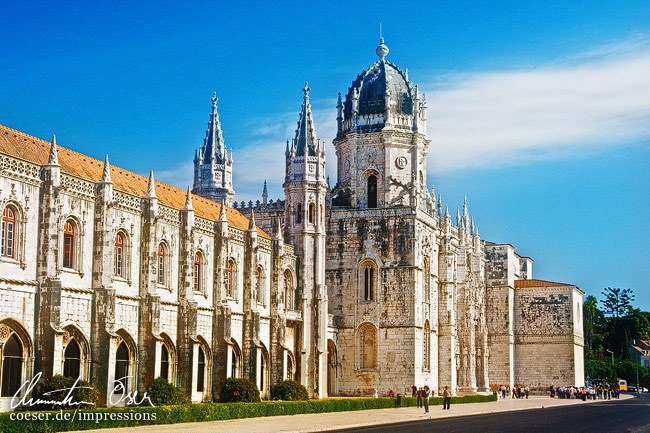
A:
(617, 301)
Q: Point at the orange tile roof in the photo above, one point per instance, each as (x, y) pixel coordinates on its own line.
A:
(24, 146)
(538, 283)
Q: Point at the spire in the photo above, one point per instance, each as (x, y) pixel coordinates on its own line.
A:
(251, 226)
(465, 220)
(214, 143)
(278, 229)
(382, 50)
(471, 227)
(446, 211)
(151, 188)
(265, 194)
(222, 214)
(188, 200)
(458, 217)
(54, 158)
(305, 139)
(439, 204)
(106, 175)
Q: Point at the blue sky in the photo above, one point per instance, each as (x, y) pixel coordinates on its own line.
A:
(538, 111)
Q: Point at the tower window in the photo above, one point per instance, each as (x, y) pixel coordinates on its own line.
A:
(197, 272)
(299, 213)
(161, 263)
(369, 280)
(372, 191)
(119, 255)
(312, 209)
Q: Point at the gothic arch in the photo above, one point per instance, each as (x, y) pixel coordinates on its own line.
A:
(203, 365)
(17, 350)
(124, 256)
(126, 364)
(168, 343)
(236, 358)
(16, 241)
(368, 278)
(290, 366)
(264, 382)
(70, 259)
(74, 333)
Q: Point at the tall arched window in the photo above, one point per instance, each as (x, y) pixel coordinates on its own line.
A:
(8, 232)
(197, 272)
(235, 361)
(369, 281)
(122, 365)
(12, 366)
(367, 346)
(427, 280)
(200, 372)
(372, 191)
(299, 213)
(119, 255)
(164, 362)
(162, 252)
(68, 244)
(426, 349)
(258, 285)
(72, 360)
(231, 278)
(289, 302)
(312, 212)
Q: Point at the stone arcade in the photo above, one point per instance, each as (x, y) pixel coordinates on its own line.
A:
(106, 274)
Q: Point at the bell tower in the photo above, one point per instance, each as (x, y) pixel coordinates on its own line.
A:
(305, 189)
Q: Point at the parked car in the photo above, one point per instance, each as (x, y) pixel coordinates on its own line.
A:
(631, 388)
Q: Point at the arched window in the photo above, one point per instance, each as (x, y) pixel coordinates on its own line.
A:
(162, 253)
(290, 372)
(12, 366)
(289, 302)
(312, 212)
(164, 362)
(258, 285)
(8, 232)
(299, 213)
(197, 272)
(200, 372)
(427, 280)
(119, 255)
(122, 365)
(369, 281)
(426, 349)
(372, 191)
(367, 346)
(235, 361)
(72, 360)
(68, 244)
(231, 278)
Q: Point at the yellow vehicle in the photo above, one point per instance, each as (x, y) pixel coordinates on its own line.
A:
(622, 385)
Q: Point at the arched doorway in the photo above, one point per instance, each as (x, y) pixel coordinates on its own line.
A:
(72, 360)
(332, 365)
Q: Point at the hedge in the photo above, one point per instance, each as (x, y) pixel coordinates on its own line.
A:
(204, 412)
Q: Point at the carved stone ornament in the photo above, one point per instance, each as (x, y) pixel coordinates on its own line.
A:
(401, 162)
(5, 332)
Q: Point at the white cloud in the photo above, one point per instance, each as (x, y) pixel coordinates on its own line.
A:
(496, 118)
(179, 175)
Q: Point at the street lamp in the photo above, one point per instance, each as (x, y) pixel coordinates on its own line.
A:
(609, 351)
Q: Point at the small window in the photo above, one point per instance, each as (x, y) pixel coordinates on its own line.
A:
(369, 281)
(119, 255)
(8, 232)
(68, 244)
(299, 213)
(427, 280)
(426, 350)
(197, 272)
(161, 263)
(231, 278)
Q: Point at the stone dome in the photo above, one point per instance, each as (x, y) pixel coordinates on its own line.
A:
(374, 84)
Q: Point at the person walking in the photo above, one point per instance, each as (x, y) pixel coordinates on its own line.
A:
(419, 395)
(425, 397)
(414, 389)
(446, 398)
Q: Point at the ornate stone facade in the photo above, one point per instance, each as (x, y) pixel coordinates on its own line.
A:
(361, 288)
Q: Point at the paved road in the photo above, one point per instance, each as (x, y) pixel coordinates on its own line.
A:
(629, 415)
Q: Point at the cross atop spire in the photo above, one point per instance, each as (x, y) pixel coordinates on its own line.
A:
(214, 148)
(306, 89)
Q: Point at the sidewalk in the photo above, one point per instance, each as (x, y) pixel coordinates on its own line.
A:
(339, 420)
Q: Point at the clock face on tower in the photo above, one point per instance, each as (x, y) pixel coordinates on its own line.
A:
(401, 162)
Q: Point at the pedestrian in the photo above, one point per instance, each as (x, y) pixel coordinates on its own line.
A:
(503, 391)
(446, 398)
(414, 389)
(419, 395)
(425, 397)
(527, 391)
